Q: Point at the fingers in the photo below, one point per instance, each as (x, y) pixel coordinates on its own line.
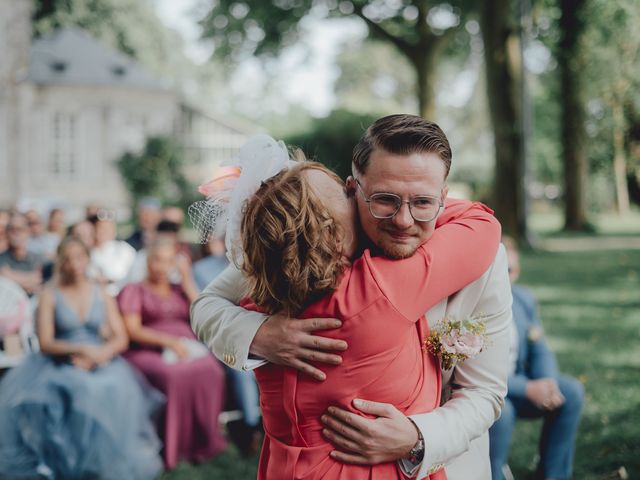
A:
(374, 408)
(351, 458)
(322, 343)
(552, 402)
(351, 419)
(315, 356)
(315, 324)
(308, 369)
(344, 430)
(340, 441)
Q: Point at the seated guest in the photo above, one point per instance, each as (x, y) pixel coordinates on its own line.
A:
(41, 242)
(214, 261)
(245, 433)
(165, 350)
(175, 215)
(85, 232)
(148, 218)
(56, 224)
(110, 258)
(77, 410)
(138, 270)
(17, 263)
(536, 390)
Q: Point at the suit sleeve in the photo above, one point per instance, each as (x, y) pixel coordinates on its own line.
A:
(461, 249)
(541, 360)
(479, 384)
(222, 325)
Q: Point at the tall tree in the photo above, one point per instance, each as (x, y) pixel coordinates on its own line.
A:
(503, 65)
(571, 61)
(418, 29)
(612, 38)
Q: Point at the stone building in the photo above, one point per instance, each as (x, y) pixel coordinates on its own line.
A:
(71, 106)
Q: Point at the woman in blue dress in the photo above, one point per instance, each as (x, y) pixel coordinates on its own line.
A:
(76, 410)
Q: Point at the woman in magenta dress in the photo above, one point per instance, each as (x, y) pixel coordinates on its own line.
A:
(298, 238)
(164, 349)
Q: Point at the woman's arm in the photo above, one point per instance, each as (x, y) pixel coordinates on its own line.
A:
(118, 341)
(461, 249)
(45, 326)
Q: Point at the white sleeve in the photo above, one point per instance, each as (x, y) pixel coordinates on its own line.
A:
(222, 325)
(479, 384)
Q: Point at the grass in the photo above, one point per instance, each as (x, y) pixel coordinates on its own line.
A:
(550, 223)
(590, 307)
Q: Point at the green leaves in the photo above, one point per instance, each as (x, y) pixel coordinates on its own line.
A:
(156, 171)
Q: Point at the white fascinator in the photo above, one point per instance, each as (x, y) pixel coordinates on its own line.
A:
(260, 158)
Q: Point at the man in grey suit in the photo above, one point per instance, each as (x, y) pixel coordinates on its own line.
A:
(386, 160)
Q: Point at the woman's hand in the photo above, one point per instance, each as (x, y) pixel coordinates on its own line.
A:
(99, 355)
(179, 348)
(82, 362)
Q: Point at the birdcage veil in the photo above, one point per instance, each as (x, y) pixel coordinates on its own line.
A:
(260, 158)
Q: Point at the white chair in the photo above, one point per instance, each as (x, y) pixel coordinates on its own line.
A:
(16, 323)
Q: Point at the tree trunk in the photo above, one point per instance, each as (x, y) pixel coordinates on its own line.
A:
(425, 67)
(502, 65)
(619, 159)
(573, 130)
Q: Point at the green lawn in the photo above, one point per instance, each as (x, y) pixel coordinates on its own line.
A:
(590, 305)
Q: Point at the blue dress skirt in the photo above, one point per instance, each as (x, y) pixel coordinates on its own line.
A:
(58, 421)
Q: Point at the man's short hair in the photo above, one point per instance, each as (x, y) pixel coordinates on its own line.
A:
(402, 134)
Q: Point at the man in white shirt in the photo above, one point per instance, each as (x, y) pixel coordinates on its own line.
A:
(454, 435)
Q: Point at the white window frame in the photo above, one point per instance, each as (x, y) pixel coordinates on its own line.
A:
(64, 160)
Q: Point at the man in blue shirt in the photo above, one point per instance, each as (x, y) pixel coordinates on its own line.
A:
(536, 389)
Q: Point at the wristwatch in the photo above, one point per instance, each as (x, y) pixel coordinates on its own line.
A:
(417, 452)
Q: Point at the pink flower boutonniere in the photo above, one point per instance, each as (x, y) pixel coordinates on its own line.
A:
(454, 341)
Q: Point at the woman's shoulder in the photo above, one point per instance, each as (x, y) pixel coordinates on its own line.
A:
(48, 293)
(358, 286)
(132, 289)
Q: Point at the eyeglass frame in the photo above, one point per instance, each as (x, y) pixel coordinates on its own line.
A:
(399, 205)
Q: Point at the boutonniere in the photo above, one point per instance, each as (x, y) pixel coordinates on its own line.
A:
(454, 341)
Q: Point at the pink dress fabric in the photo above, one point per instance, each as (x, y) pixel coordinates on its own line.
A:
(382, 304)
(194, 389)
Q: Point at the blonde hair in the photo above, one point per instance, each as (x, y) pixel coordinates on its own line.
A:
(291, 242)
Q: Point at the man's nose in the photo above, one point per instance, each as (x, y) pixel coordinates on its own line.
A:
(403, 218)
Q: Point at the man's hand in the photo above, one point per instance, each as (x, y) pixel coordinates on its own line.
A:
(290, 342)
(387, 438)
(544, 394)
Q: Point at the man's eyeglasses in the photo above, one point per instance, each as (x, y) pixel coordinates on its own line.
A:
(423, 208)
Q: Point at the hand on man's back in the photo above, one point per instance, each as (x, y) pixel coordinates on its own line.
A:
(290, 342)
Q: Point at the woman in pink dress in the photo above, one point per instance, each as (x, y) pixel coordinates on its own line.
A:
(299, 236)
(156, 314)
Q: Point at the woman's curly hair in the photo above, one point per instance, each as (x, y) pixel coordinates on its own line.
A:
(291, 243)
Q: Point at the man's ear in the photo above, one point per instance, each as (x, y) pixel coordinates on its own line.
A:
(350, 184)
(445, 192)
